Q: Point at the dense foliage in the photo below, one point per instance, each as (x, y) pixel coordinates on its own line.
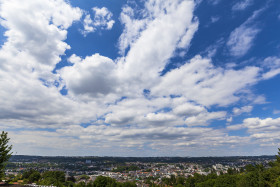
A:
(126, 168)
(5, 153)
(57, 178)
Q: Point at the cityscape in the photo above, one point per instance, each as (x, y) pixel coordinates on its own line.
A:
(140, 171)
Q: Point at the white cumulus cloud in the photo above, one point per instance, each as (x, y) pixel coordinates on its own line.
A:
(102, 19)
(244, 109)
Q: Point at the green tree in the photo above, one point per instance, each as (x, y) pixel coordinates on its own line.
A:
(277, 182)
(278, 156)
(226, 180)
(69, 184)
(27, 173)
(230, 171)
(102, 181)
(180, 180)
(81, 184)
(72, 179)
(34, 177)
(86, 177)
(56, 178)
(208, 183)
(253, 178)
(5, 153)
(128, 184)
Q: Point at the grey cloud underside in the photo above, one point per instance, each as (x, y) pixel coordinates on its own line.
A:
(95, 86)
(161, 136)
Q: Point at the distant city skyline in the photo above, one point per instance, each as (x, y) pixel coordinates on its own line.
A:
(140, 78)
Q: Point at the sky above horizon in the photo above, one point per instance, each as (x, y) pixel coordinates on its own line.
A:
(140, 78)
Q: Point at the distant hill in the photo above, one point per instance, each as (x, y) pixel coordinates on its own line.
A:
(26, 158)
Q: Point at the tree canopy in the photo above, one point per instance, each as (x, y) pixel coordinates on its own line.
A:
(5, 152)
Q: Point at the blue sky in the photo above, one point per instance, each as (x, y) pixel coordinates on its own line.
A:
(140, 78)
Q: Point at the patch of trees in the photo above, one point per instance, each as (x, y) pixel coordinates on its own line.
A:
(102, 181)
(57, 178)
(126, 168)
